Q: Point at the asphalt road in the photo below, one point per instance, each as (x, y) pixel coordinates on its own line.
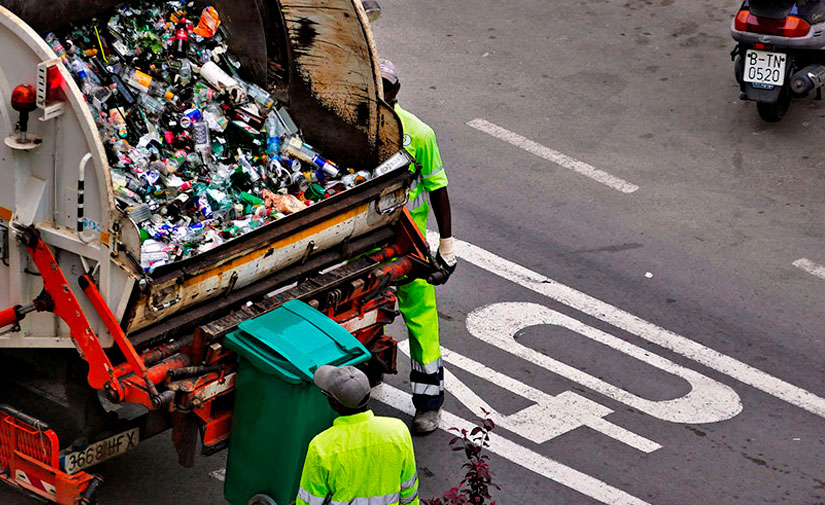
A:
(687, 335)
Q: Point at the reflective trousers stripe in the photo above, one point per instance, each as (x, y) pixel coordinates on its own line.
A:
(427, 389)
(429, 368)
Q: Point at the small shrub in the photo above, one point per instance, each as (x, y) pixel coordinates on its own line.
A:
(474, 489)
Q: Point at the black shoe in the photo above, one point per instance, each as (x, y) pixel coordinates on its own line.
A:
(426, 421)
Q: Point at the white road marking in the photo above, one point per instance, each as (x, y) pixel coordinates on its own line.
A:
(652, 333)
(518, 454)
(549, 417)
(810, 267)
(708, 401)
(552, 155)
(219, 474)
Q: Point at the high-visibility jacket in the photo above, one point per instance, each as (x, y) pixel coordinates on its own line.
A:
(416, 300)
(420, 141)
(362, 459)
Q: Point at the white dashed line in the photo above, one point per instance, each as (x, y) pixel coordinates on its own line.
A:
(552, 155)
(810, 267)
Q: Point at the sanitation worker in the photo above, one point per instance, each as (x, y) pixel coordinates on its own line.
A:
(416, 300)
(362, 458)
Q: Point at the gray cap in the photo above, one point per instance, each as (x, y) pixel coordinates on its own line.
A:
(388, 71)
(346, 384)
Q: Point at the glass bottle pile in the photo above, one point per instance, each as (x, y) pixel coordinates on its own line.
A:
(197, 155)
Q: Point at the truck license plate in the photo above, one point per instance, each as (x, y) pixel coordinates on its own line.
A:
(763, 67)
(97, 452)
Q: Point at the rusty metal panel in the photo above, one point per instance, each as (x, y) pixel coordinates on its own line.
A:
(334, 83)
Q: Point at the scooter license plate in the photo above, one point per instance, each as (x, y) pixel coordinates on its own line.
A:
(763, 67)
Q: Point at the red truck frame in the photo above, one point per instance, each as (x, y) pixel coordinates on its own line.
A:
(191, 377)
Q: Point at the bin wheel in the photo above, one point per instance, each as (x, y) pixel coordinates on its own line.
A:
(261, 499)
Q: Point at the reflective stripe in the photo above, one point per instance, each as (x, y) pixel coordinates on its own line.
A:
(388, 499)
(410, 499)
(418, 201)
(429, 368)
(303, 494)
(410, 483)
(427, 389)
(434, 172)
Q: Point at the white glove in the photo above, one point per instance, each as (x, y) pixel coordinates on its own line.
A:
(446, 249)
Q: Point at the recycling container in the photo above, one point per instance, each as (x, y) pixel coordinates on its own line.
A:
(278, 408)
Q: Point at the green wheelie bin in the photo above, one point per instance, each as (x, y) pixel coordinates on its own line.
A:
(278, 408)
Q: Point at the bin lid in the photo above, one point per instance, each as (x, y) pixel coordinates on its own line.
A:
(293, 340)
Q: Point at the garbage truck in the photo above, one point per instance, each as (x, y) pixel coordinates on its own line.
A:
(96, 353)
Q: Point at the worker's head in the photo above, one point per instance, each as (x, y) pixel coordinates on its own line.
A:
(346, 387)
(391, 83)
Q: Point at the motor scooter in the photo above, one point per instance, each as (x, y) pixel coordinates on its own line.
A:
(780, 53)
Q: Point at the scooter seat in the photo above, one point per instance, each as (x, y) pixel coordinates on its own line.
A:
(772, 9)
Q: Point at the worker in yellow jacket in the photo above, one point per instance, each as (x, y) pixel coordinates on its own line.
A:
(416, 300)
(362, 458)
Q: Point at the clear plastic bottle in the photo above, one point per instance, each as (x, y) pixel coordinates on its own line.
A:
(261, 98)
(185, 72)
(83, 70)
(297, 149)
(146, 83)
(57, 47)
(151, 105)
(273, 140)
(215, 118)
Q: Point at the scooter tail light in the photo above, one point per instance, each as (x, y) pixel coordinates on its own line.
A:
(791, 26)
(741, 21)
(796, 27)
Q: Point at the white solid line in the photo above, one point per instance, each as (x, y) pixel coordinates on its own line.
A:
(566, 409)
(531, 460)
(552, 155)
(810, 267)
(600, 310)
(518, 454)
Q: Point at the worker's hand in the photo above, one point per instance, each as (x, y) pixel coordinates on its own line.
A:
(445, 260)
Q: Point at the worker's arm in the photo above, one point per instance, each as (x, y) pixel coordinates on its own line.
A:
(314, 488)
(409, 476)
(446, 254)
(434, 179)
(441, 210)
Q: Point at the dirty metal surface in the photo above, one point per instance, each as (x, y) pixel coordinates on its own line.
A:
(334, 78)
(186, 321)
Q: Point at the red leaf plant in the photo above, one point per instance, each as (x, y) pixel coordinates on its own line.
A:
(474, 488)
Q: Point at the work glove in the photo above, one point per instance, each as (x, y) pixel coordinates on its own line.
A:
(445, 260)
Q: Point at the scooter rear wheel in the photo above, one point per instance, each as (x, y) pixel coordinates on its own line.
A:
(774, 112)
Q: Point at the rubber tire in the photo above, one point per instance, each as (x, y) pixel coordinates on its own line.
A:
(261, 499)
(774, 112)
